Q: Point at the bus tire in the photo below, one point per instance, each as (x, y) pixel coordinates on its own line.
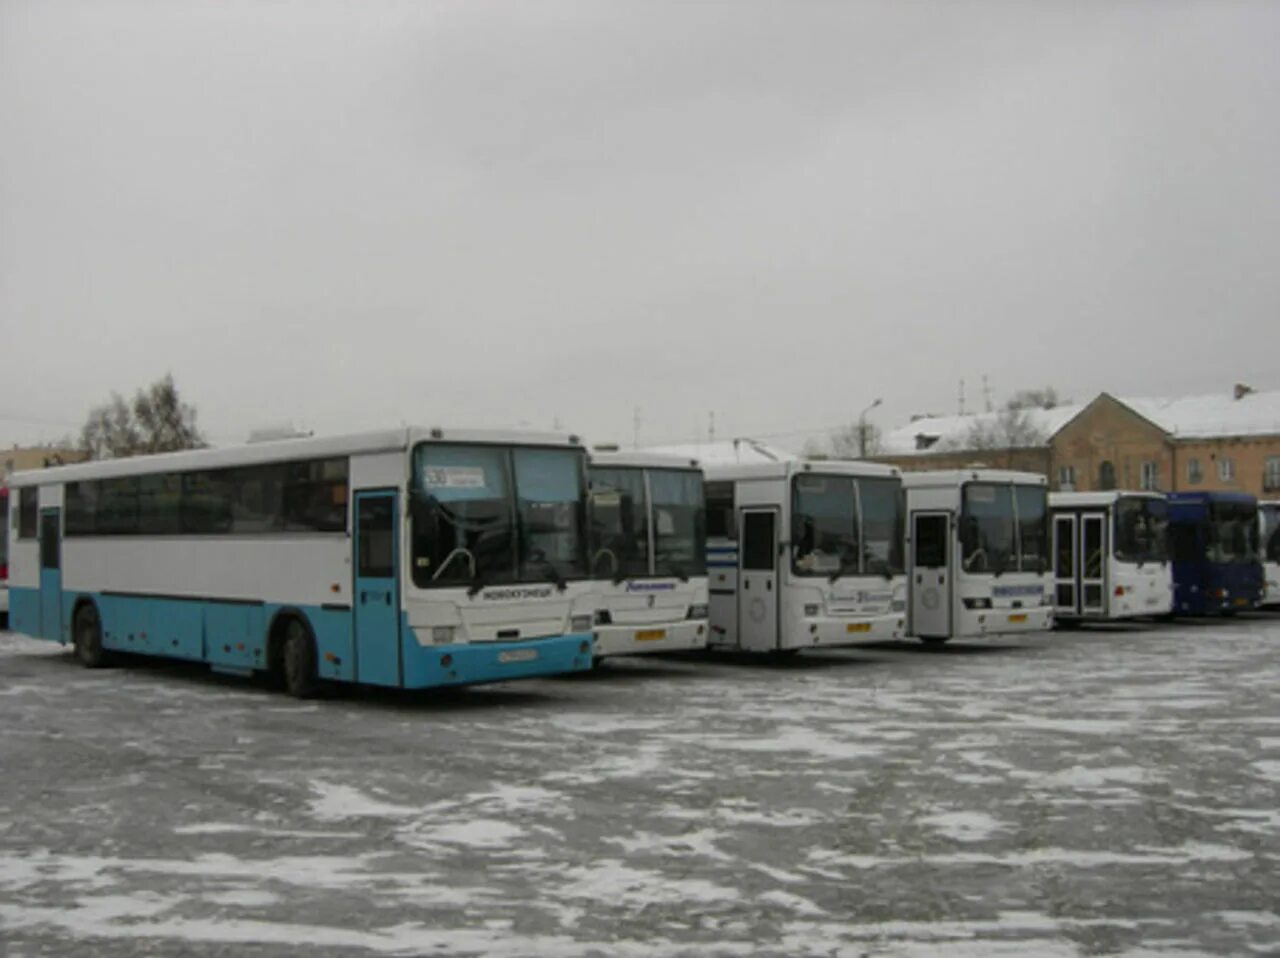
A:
(933, 641)
(298, 661)
(87, 638)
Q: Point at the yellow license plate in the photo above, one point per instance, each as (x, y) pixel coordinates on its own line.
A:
(858, 627)
(1242, 601)
(1018, 618)
(648, 635)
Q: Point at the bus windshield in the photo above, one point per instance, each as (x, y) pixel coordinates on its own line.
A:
(619, 525)
(486, 514)
(1270, 521)
(1233, 532)
(1004, 528)
(679, 523)
(1141, 529)
(842, 525)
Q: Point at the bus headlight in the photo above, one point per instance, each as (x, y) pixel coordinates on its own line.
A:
(603, 617)
(899, 605)
(442, 634)
(580, 623)
(977, 603)
(812, 609)
(698, 611)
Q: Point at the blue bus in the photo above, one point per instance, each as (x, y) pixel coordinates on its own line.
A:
(1217, 569)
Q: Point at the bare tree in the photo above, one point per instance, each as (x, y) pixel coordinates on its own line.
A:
(1011, 428)
(157, 421)
(853, 441)
(1046, 398)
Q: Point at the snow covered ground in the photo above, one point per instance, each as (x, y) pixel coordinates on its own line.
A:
(1092, 792)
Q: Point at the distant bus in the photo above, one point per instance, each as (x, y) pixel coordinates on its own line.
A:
(648, 553)
(1214, 545)
(4, 557)
(978, 562)
(1269, 527)
(1110, 555)
(407, 558)
(804, 555)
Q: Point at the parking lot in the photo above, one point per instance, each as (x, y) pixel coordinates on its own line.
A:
(1088, 792)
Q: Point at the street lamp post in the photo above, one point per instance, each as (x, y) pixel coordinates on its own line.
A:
(862, 429)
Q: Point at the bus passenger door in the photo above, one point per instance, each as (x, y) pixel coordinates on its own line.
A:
(376, 595)
(758, 580)
(51, 574)
(1093, 551)
(1066, 566)
(930, 580)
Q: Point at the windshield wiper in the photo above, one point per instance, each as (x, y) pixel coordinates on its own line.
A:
(844, 569)
(555, 577)
(477, 583)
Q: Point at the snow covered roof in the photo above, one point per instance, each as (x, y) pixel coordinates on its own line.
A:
(726, 452)
(952, 433)
(1217, 414)
(1184, 417)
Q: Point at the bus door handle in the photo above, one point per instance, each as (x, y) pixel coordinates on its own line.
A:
(768, 585)
(364, 597)
(746, 583)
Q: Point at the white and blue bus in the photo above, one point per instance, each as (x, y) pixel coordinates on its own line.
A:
(409, 558)
(1110, 555)
(648, 553)
(978, 556)
(804, 554)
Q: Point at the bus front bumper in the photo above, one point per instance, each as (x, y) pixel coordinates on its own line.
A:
(1004, 621)
(830, 632)
(478, 662)
(639, 639)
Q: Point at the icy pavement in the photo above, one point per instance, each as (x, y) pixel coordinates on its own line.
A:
(1082, 794)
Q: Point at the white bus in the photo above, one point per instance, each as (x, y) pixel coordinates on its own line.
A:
(804, 554)
(409, 558)
(978, 556)
(648, 553)
(1269, 519)
(1110, 555)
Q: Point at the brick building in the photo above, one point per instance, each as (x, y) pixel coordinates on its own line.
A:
(19, 459)
(1215, 442)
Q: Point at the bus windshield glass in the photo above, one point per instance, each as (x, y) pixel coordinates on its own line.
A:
(826, 535)
(619, 525)
(679, 523)
(1004, 528)
(1141, 529)
(487, 514)
(1233, 532)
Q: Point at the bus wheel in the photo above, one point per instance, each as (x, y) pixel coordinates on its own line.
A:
(299, 662)
(87, 638)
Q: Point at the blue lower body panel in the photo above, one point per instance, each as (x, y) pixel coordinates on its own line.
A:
(232, 636)
(425, 667)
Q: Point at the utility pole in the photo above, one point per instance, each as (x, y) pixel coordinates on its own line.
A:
(862, 429)
(635, 423)
(986, 392)
(711, 427)
(962, 397)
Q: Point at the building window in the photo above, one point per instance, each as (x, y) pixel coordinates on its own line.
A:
(1149, 477)
(1106, 475)
(1271, 474)
(1227, 469)
(1066, 478)
(1194, 473)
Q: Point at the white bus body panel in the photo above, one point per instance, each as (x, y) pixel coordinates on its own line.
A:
(770, 609)
(1103, 588)
(1018, 600)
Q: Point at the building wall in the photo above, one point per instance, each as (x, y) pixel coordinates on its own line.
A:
(1248, 457)
(17, 459)
(1107, 431)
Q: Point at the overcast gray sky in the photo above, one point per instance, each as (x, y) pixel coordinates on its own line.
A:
(357, 214)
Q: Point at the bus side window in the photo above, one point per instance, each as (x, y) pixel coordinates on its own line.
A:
(720, 517)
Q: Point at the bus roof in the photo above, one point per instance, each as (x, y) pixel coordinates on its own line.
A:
(942, 478)
(1101, 498)
(284, 450)
(793, 467)
(639, 459)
